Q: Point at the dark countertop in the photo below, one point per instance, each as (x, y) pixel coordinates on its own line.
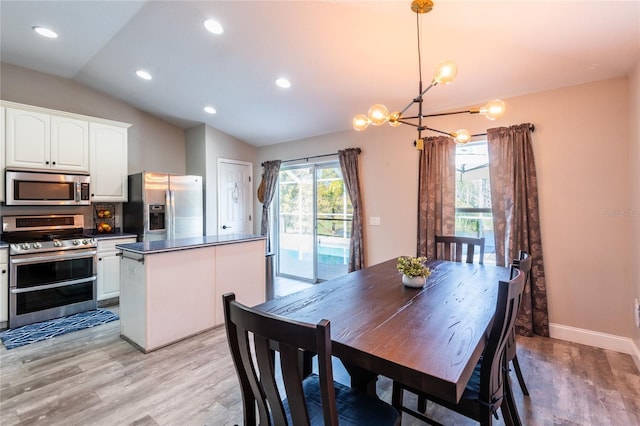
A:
(116, 234)
(162, 246)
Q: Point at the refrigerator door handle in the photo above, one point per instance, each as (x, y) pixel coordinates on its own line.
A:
(172, 215)
(167, 215)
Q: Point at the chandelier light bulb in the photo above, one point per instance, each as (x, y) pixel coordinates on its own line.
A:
(360, 122)
(493, 109)
(378, 114)
(462, 136)
(394, 119)
(446, 72)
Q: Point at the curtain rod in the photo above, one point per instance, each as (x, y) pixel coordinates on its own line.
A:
(532, 128)
(312, 156)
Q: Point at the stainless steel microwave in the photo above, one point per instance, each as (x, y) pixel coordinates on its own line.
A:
(24, 188)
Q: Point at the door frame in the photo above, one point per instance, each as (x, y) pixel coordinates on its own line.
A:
(249, 192)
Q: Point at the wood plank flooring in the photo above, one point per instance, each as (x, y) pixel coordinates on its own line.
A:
(92, 377)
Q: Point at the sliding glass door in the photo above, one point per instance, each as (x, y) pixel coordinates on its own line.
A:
(314, 222)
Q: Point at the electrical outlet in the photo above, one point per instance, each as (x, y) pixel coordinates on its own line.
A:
(636, 312)
(117, 220)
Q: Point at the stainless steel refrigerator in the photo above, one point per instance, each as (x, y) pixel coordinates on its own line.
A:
(164, 206)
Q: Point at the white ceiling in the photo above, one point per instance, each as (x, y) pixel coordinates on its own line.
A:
(341, 56)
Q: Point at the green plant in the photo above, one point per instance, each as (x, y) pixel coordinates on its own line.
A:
(413, 266)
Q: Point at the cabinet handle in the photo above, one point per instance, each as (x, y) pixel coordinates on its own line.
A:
(46, 162)
(99, 258)
(53, 162)
(4, 271)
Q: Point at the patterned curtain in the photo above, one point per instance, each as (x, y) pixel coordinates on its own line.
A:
(436, 192)
(349, 165)
(269, 182)
(516, 222)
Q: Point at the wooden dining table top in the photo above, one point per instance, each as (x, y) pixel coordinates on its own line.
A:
(428, 338)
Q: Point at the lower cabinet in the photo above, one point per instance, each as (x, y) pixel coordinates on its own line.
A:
(108, 273)
(4, 287)
(168, 296)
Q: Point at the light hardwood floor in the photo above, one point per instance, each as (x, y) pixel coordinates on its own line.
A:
(92, 377)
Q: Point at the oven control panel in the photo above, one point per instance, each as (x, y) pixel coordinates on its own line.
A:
(44, 246)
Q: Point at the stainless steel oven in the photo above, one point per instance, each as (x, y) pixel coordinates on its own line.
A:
(52, 267)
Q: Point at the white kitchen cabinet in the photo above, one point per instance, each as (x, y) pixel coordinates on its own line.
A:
(169, 295)
(38, 140)
(4, 286)
(2, 151)
(108, 271)
(108, 162)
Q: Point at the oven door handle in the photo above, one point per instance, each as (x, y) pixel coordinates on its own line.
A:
(66, 256)
(48, 286)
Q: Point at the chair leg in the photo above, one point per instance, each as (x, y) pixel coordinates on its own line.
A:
(422, 404)
(516, 367)
(396, 400)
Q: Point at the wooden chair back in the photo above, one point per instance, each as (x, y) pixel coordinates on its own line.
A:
(247, 327)
(494, 361)
(452, 248)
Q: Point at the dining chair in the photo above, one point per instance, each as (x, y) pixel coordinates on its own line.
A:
(488, 388)
(293, 398)
(523, 263)
(452, 248)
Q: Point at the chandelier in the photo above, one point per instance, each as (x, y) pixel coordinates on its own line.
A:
(445, 73)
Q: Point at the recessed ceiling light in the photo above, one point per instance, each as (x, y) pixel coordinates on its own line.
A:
(46, 32)
(210, 110)
(143, 74)
(213, 26)
(283, 82)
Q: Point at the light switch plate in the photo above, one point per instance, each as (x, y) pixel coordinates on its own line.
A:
(636, 312)
(374, 221)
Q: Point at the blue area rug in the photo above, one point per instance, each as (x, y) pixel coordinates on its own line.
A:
(31, 333)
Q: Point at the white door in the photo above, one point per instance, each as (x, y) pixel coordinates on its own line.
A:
(235, 204)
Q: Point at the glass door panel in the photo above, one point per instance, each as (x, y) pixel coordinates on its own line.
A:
(333, 223)
(296, 256)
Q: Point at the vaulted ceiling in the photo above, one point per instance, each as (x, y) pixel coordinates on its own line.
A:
(340, 56)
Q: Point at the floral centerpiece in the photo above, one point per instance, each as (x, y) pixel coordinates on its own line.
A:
(414, 271)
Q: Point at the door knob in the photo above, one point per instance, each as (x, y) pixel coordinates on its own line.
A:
(226, 227)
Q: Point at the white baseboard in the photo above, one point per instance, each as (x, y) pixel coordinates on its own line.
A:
(596, 339)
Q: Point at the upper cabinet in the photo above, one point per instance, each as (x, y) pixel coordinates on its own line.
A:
(37, 140)
(108, 148)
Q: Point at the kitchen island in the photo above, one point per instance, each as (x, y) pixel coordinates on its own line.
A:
(172, 289)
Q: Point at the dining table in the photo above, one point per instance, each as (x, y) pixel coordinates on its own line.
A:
(429, 338)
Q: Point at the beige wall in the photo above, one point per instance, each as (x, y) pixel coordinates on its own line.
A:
(154, 145)
(581, 149)
(634, 112)
(205, 145)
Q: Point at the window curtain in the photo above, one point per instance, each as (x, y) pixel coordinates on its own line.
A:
(268, 185)
(516, 222)
(436, 192)
(349, 166)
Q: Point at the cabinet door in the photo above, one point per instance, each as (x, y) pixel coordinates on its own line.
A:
(28, 139)
(2, 151)
(108, 273)
(4, 286)
(69, 144)
(108, 276)
(108, 162)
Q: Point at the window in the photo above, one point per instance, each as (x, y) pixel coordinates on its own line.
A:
(473, 195)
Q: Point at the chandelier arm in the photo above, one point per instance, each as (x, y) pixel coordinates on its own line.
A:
(439, 131)
(451, 113)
